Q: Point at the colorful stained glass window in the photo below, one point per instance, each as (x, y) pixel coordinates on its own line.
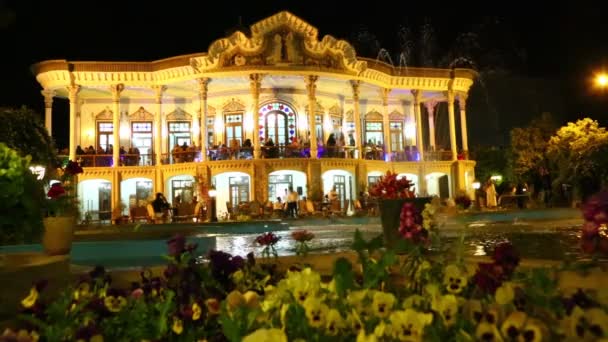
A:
(278, 121)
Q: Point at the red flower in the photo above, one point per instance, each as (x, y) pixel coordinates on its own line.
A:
(302, 235)
(56, 191)
(390, 188)
(267, 239)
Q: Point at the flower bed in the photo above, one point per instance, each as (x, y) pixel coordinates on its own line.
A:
(382, 296)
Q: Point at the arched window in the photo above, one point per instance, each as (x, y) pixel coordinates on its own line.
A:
(277, 121)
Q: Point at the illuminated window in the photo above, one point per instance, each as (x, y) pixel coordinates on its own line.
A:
(277, 121)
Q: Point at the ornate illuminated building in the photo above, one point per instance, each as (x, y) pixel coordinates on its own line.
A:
(369, 117)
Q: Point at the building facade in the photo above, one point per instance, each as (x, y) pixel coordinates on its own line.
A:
(256, 114)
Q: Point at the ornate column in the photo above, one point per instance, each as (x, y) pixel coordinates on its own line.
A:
(116, 89)
(450, 95)
(73, 96)
(419, 142)
(357, 116)
(386, 123)
(430, 108)
(158, 123)
(48, 109)
(311, 88)
(462, 99)
(255, 83)
(202, 95)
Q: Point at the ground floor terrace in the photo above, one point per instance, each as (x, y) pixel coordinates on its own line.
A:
(110, 193)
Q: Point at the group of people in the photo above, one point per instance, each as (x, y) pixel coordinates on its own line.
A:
(289, 206)
(87, 155)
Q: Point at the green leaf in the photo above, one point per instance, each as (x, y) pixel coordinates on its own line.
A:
(343, 276)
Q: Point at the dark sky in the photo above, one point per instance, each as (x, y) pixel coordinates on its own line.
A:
(565, 46)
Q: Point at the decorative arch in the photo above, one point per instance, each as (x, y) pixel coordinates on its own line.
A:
(396, 115)
(374, 115)
(179, 115)
(335, 110)
(277, 120)
(105, 114)
(349, 115)
(234, 105)
(141, 115)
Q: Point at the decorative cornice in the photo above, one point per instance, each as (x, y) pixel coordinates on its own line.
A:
(373, 115)
(141, 115)
(335, 110)
(179, 115)
(105, 114)
(396, 115)
(233, 105)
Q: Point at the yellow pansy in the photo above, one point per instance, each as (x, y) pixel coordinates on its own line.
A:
(316, 312)
(455, 279)
(196, 312)
(362, 337)
(114, 304)
(31, 299)
(447, 307)
(334, 322)
(178, 326)
(487, 332)
(383, 330)
(83, 291)
(266, 335)
(513, 325)
(235, 299)
(414, 302)
(589, 324)
(357, 300)
(505, 294)
(303, 284)
(382, 303)
(354, 321)
(251, 299)
(533, 331)
(238, 276)
(409, 325)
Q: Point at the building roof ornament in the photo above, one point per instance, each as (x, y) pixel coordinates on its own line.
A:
(179, 115)
(141, 115)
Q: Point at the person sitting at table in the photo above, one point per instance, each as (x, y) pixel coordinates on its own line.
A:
(278, 207)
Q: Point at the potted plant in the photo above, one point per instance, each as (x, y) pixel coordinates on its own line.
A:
(62, 211)
(21, 199)
(391, 194)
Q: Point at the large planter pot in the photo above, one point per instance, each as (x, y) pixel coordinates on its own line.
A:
(390, 212)
(58, 234)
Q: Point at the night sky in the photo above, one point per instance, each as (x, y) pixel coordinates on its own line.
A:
(564, 47)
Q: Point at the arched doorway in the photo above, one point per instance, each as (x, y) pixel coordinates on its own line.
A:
(344, 182)
(182, 186)
(95, 199)
(280, 181)
(438, 184)
(233, 188)
(277, 121)
(136, 192)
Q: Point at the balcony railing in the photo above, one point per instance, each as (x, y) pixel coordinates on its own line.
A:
(101, 160)
(267, 152)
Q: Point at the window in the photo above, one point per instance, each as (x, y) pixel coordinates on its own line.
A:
(373, 132)
(336, 123)
(396, 131)
(319, 126)
(179, 133)
(239, 190)
(182, 188)
(105, 135)
(277, 185)
(234, 128)
(143, 192)
(277, 121)
(142, 136)
(371, 180)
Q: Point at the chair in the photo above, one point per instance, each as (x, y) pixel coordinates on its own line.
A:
(200, 212)
(185, 212)
(335, 208)
(140, 214)
(254, 209)
(152, 214)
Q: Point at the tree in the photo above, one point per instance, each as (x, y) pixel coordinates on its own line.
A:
(491, 161)
(22, 130)
(529, 147)
(579, 151)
